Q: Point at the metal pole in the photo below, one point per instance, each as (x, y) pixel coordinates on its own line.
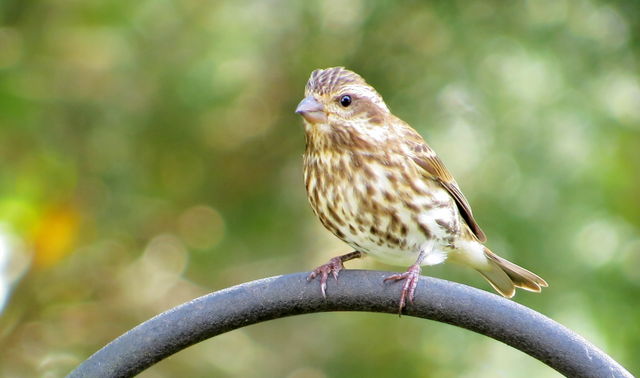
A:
(357, 290)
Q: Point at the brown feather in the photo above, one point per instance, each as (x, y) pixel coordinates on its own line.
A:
(437, 171)
(520, 277)
(433, 168)
(328, 80)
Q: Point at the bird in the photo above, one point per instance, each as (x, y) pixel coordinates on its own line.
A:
(374, 182)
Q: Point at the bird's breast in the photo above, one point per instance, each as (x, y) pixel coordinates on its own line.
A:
(378, 203)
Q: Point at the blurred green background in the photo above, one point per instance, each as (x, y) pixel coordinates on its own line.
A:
(149, 154)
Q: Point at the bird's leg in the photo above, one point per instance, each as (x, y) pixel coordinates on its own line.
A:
(411, 277)
(334, 266)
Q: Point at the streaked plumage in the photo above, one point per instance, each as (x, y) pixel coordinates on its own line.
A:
(375, 183)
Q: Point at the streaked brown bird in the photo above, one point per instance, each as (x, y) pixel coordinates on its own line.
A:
(376, 184)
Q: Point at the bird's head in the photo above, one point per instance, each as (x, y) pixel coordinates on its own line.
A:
(337, 99)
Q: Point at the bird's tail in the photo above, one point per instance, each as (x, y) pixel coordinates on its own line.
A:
(505, 276)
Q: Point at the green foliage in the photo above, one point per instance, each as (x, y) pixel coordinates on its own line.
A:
(149, 154)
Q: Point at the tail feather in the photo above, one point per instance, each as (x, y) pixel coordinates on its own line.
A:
(504, 276)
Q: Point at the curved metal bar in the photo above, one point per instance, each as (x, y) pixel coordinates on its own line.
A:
(357, 290)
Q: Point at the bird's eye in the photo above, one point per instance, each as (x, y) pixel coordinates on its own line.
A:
(345, 100)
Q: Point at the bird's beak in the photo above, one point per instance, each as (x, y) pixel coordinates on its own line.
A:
(311, 110)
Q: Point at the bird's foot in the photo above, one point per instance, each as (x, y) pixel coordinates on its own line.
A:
(410, 277)
(333, 267)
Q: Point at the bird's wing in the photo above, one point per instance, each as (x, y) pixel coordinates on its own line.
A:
(434, 169)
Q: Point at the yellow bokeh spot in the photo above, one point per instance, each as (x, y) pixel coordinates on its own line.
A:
(54, 235)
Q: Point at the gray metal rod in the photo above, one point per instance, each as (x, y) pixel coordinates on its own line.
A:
(356, 290)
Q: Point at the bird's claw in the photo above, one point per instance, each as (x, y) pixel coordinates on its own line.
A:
(333, 267)
(411, 278)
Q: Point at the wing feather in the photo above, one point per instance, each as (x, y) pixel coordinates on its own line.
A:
(435, 169)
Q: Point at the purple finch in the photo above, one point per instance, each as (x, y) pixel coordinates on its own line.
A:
(375, 183)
